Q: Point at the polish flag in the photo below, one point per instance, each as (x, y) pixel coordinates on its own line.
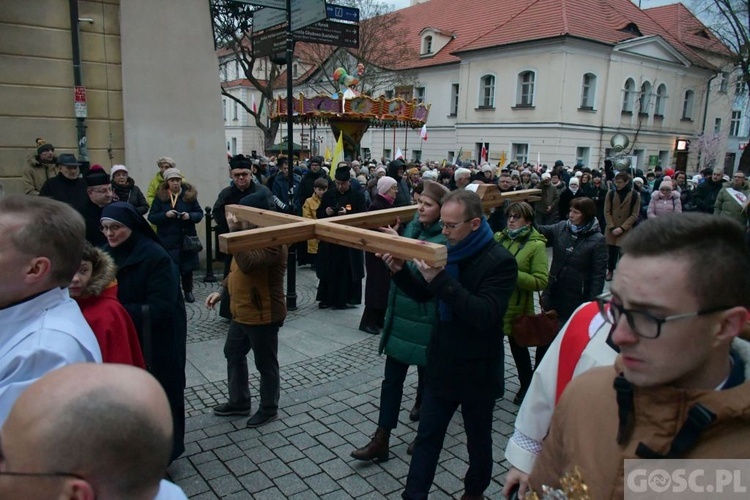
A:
(423, 132)
(483, 154)
(255, 107)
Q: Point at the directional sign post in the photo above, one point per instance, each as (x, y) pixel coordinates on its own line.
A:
(269, 43)
(274, 4)
(304, 13)
(342, 13)
(330, 33)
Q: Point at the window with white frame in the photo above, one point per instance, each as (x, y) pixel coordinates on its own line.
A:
(687, 105)
(236, 69)
(454, 99)
(419, 94)
(235, 110)
(661, 100)
(427, 45)
(224, 108)
(387, 154)
(645, 98)
(628, 98)
(724, 82)
(520, 152)
(487, 91)
(734, 124)
(588, 91)
(525, 98)
(717, 126)
(582, 155)
(234, 146)
(739, 86)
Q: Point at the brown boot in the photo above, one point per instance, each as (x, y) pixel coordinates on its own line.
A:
(376, 449)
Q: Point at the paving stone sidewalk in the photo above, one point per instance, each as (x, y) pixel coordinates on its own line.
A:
(328, 407)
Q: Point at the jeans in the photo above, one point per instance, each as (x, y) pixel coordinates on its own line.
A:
(434, 418)
(264, 342)
(392, 390)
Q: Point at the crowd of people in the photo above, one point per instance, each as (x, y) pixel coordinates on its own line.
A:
(94, 270)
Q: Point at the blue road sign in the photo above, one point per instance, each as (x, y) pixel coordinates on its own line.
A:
(341, 13)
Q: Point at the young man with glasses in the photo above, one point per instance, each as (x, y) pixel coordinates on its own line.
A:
(679, 386)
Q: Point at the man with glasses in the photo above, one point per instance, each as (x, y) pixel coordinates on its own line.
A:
(42, 327)
(67, 186)
(732, 200)
(99, 191)
(679, 387)
(465, 353)
(89, 431)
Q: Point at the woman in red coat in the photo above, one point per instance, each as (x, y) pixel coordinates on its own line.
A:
(95, 289)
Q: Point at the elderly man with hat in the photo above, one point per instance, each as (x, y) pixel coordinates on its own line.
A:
(99, 191)
(39, 168)
(67, 186)
(256, 284)
(340, 269)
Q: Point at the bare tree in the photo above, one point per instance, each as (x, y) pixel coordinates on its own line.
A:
(232, 38)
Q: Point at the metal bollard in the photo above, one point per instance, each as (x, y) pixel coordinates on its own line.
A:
(209, 277)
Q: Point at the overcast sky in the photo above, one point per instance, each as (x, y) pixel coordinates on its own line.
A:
(400, 4)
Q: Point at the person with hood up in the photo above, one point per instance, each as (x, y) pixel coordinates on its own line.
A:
(570, 193)
(396, 170)
(125, 189)
(665, 201)
(175, 212)
(39, 168)
(94, 288)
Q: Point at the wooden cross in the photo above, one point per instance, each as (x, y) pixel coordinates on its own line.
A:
(353, 230)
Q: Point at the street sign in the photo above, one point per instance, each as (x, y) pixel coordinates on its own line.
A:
(270, 42)
(342, 13)
(274, 4)
(79, 100)
(304, 13)
(330, 33)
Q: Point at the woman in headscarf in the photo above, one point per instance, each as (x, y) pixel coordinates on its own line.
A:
(175, 212)
(149, 289)
(407, 330)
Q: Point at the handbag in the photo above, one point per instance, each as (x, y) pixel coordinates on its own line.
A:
(531, 330)
(191, 244)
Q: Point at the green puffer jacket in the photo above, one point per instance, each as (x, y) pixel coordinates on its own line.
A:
(531, 255)
(409, 324)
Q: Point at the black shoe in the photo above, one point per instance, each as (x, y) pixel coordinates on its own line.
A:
(414, 413)
(519, 397)
(323, 305)
(228, 409)
(189, 297)
(261, 418)
(410, 448)
(370, 329)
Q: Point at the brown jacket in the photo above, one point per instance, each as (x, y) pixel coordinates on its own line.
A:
(620, 214)
(256, 286)
(584, 429)
(35, 174)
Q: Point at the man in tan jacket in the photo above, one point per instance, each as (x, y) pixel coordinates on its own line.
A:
(680, 386)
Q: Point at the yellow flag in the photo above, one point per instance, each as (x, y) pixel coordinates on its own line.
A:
(338, 155)
(328, 153)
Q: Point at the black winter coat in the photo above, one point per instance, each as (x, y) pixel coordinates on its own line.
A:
(378, 281)
(579, 265)
(70, 191)
(172, 231)
(131, 194)
(465, 356)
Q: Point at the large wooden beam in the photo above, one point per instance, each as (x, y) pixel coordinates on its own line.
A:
(379, 218)
(263, 237)
(492, 197)
(262, 218)
(377, 242)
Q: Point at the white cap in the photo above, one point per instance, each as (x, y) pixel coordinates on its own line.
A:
(118, 168)
(574, 180)
(546, 175)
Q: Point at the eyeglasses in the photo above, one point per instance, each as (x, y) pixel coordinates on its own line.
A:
(240, 175)
(110, 228)
(642, 323)
(514, 217)
(102, 190)
(451, 227)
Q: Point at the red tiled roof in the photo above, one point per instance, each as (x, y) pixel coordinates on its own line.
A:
(678, 20)
(479, 24)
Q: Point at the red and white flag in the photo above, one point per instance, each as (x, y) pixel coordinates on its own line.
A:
(255, 107)
(423, 132)
(483, 154)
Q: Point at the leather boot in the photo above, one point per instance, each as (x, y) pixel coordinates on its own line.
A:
(376, 449)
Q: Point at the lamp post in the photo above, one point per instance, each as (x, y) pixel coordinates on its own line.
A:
(619, 142)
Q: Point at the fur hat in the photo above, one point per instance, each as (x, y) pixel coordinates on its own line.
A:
(96, 176)
(118, 168)
(240, 161)
(638, 180)
(385, 183)
(172, 173)
(434, 190)
(574, 180)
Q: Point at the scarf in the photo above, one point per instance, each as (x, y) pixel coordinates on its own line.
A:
(583, 228)
(517, 233)
(464, 249)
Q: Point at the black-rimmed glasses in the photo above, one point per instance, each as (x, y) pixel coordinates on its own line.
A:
(451, 227)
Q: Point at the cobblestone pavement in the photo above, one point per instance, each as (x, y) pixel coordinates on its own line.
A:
(328, 407)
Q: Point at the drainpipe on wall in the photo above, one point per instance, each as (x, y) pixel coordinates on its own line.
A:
(83, 149)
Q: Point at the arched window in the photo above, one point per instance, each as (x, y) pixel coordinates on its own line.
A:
(661, 100)
(687, 105)
(487, 91)
(645, 98)
(427, 45)
(628, 99)
(588, 91)
(525, 91)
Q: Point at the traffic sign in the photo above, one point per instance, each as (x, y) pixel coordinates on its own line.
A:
(270, 42)
(304, 13)
(330, 33)
(274, 4)
(342, 13)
